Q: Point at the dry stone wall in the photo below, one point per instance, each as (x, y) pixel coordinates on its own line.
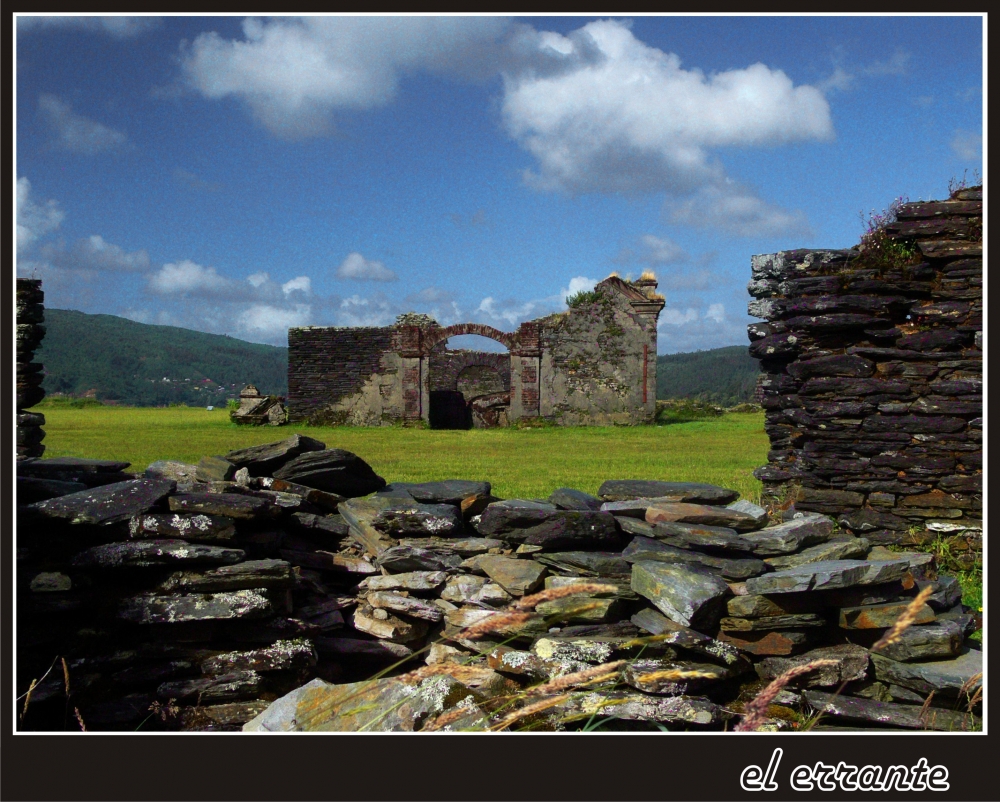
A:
(30, 331)
(872, 379)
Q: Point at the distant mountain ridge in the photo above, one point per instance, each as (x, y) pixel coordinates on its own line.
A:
(138, 364)
(725, 376)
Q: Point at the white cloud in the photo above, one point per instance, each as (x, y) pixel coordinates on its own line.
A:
(358, 311)
(967, 145)
(272, 322)
(357, 268)
(187, 277)
(716, 312)
(840, 80)
(652, 250)
(676, 317)
(626, 117)
(509, 314)
(897, 64)
(75, 132)
(576, 284)
(293, 72)
(116, 27)
(94, 253)
(257, 279)
(683, 330)
(34, 220)
(732, 209)
(298, 284)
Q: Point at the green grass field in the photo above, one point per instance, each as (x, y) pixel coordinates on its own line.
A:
(519, 462)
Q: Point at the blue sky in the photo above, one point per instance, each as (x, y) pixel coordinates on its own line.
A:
(243, 175)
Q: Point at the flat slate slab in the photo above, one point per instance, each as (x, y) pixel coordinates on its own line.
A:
(644, 548)
(946, 677)
(880, 616)
(332, 470)
(187, 527)
(152, 553)
(679, 711)
(691, 492)
(264, 460)
(691, 598)
(403, 559)
(550, 529)
(587, 563)
(772, 622)
(827, 574)
(701, 514)
(40, 467)
(765, 644)
(229, 605)
(517, 577)
(852, 665)
(755, 606)
(711, 539)
(791, 536)
(913, 717)
(656, 623)
(107, 504)
(238, 576)
(566, 498)
(411, 581)
(837, 549)
(941, 640)
(232, 505)
(447, 491)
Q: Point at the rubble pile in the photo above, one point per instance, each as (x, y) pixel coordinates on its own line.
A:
(289, 587)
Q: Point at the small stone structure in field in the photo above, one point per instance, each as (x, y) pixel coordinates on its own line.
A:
(257, 410)
(594, 364)
(873, 376)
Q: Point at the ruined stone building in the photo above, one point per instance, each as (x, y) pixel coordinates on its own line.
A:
(594, 364)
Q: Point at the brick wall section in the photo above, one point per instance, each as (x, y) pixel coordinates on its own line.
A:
(872, 379)
(30, 331)
(326, 364)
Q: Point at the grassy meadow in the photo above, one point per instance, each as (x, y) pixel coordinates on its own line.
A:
(519, 462)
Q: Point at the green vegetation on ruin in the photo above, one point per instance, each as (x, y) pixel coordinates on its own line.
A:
(526, 462)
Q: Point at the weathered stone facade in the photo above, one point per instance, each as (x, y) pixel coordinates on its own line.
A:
(873, 376)
(594, 364)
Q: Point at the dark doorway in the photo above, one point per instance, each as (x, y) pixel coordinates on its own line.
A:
(449, 410)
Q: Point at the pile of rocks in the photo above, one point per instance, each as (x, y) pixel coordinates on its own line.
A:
(30, 331)
(259, 410)
(872, 379)
(288, 587)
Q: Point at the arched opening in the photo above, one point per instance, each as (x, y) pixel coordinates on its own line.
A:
(469, 386)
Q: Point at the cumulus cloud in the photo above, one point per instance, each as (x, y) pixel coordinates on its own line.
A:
(298, 284)
(257, 279)
(293, 72)
(509, 314)
(691, 329)
(732, 209)
(74, 132)
(631, 119)
(358, 311)
(34, 219)
(356, 268)
(95, 254)
(967, 145)
(272, 322)
(576, 284)
(116, 27)
(187, 277)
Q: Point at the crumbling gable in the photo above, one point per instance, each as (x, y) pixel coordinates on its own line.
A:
(594, 364)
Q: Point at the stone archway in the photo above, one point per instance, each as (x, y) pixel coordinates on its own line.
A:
(467, 389)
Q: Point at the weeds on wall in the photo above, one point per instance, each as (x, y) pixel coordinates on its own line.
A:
(878, 250)
(583, 298)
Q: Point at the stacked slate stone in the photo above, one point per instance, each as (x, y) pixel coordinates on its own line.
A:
(30, 331)
(872, 379)
(286, 586)
(698, 603)
(162, 600)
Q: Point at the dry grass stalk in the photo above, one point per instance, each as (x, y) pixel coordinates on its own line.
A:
(494, 623)
(530, 710)
(453, 670)
(674, 674)
(755, 711)
(645, 641)
(588, 676)
(65, 669)
(924, 708)
(905, 621)
(446, 718)
(79, 719)
(27, 697)
(530, 602)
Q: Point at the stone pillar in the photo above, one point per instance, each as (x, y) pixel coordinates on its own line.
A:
(30, 331)
(526, 373)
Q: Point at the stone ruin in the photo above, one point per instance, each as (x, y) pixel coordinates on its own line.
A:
(289, 587)
(30, 331)
(592, 365)
(872, 379)
(259, 410)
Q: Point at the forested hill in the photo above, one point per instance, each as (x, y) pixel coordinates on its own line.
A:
(725, 376)
(138, 364)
